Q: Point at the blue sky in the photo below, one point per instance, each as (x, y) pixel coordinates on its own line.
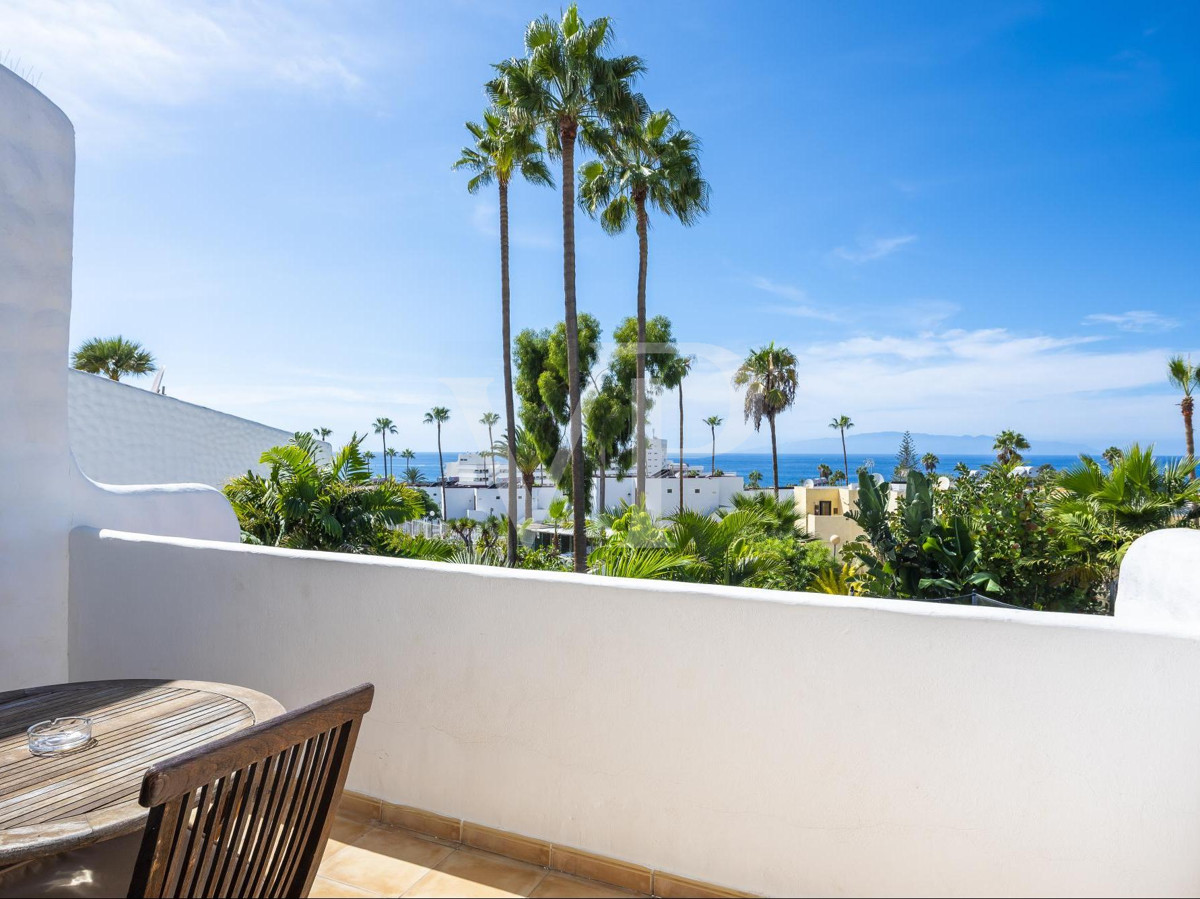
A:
(962, 217)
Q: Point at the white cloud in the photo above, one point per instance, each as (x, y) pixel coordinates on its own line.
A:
(1138, 320)
(105, 63)
(870, 250)
(800, 306)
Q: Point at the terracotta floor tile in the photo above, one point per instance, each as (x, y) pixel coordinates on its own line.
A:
(384, 861)
(564, 886)
(324, 888)
(344, 832)
(470, 873)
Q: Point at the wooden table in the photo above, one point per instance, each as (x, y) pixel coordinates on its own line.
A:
(49, 805)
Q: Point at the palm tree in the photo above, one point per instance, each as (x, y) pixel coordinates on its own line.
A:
(528, 460)
(439, 415)
(565, 85)
(490, 419)
(1185, 377)
(369, 456)
(503, 146)
(713, 422)
(753, 479)
(113, 357)
(650, 164)
(824, 471)
(391, 459)
(408, 456)
(769, 377)
(384, 426)
(1008, 445)
(843, 424)
(678, 369)
(559, 513)
(323, 433)
(931, 462)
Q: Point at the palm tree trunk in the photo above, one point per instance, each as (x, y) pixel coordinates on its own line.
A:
(600, 485)
(1187, 407)
(442, 471)
(774, 455)
(510, 417)
(385, 467)
(567, 131)
(639, 484)
(845, 458)
(681, 446)
(528, 499)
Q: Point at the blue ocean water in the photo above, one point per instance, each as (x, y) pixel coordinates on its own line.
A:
(794, 468)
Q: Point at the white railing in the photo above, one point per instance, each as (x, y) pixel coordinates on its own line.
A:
(780, 743)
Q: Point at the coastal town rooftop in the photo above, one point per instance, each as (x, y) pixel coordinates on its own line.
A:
(773, 743)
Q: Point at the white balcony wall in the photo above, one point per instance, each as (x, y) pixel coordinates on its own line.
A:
(783, 743)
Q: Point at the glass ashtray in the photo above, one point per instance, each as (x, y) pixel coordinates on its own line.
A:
(60, 735)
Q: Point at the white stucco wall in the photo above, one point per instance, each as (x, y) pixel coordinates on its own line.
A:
(783, 743)
(37, 188)
(123, 434)
(1160, 580)
(42, 493)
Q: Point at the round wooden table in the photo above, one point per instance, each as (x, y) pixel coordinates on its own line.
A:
(52, 804)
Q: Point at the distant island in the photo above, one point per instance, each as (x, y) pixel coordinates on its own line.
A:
(886, 442)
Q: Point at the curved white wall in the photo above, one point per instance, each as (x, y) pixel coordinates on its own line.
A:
(1160, 579)
(783, 743)
(37, 188)
(122, 434)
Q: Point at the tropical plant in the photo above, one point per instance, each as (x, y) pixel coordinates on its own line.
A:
(527, 461)
(391, 459)
(543, 386)
(837, 477)
(384, 426)
(439, 415)
(931, 462)
(608, 425)
(408, 456)
(412, 475)
(649, 164)
(1112, 455)
(504, 145)
(369, 456)
(559, 514)
(113, 357)
(768, 375)
(728, 549)
(842, 424)
(714, 422)
(417, 546)
(322, 433)
(302, 503)
(646, 562)
(566, 85)
(753, 479)
(1008, 446)
(679, 369)
(838, 579)
(914, 552)
(778, 516)
(824, 471)
(1103, 512)
(1185, 377)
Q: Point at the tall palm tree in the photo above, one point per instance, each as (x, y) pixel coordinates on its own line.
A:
(931, 462)
(1185, 377)
(528, 460)
(566, 85)
(713, 422)
(1008, 447)
(843, 423)
(769, 378)
(408, 456)
(322, 433)
(504, 145)
(384, 426)
(391, 459)
(490, 419)
(679, 369)
(113, 357)
(650, 164)
(439, 415)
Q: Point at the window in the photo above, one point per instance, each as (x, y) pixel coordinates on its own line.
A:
(697, 489)
(668, 490)
(824, 507)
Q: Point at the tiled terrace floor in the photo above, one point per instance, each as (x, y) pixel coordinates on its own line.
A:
(365, 859)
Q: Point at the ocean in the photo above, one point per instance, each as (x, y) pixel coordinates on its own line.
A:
(794, 468)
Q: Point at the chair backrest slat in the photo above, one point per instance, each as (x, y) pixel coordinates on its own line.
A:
(249, 815)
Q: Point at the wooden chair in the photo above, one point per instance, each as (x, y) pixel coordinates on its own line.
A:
(249, 815)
